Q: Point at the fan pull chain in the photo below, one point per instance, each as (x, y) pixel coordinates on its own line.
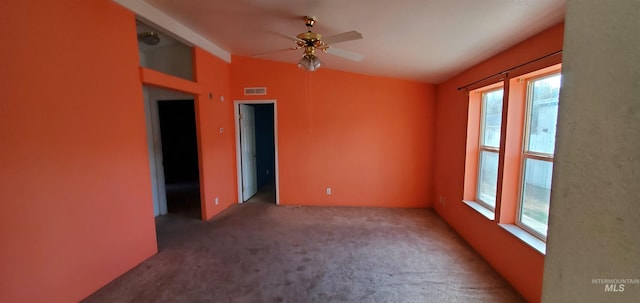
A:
(308, 101)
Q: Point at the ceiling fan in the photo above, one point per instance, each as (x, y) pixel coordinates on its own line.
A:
(310, 42)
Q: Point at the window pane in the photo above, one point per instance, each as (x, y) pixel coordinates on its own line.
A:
(536, 194)
(544, 114)
(492, 116)
(488, 177)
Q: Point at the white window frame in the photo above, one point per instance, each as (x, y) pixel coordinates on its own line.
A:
(486, 148)
(526, 154)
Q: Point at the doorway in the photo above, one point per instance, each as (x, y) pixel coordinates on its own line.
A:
(256, 150)
(173, 154)
(180, 157)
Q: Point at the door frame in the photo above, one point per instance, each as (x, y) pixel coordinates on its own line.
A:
(154, 143)
(156, 157)
(236, 117)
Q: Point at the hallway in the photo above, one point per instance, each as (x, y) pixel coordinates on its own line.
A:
(265, 194)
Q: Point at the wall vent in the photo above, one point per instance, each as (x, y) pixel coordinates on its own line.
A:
(255, 91)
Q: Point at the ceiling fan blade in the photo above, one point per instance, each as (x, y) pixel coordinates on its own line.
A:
(347, 36)
(291, 38)
(275, 51)
(344, 54)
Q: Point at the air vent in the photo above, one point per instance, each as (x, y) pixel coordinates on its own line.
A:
(255, 91)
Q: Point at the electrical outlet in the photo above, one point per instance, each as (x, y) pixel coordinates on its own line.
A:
(216, 200)
(267, 171)
(328, 191)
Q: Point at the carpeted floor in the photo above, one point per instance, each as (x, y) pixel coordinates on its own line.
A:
(260, 252)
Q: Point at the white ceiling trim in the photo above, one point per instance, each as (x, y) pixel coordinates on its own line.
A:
(167, 23)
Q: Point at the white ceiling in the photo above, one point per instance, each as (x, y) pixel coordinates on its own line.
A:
(423, 40)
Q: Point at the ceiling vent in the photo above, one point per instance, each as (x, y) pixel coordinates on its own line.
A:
(255, 91)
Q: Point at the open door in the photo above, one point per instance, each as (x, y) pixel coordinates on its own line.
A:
(248, 151)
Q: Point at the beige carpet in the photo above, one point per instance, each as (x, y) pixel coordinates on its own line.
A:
(260, 252)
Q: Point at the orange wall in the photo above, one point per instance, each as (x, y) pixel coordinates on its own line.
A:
(521, 265)
(216, 150)
(371, 139)
(75, 198)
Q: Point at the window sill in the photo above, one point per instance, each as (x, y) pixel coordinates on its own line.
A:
(535, 243)
(524, 236)
(487, 213)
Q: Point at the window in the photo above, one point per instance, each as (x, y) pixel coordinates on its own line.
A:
(538, 150)
(491, 117)
(510, 151)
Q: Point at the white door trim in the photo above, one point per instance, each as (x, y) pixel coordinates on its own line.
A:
(154, 147)
(158, 157)
(236, 117)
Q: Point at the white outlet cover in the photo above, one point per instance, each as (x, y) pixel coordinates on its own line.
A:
(328, 190)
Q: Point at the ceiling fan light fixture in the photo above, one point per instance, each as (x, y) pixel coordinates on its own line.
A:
(309, 63)
(311, 41)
